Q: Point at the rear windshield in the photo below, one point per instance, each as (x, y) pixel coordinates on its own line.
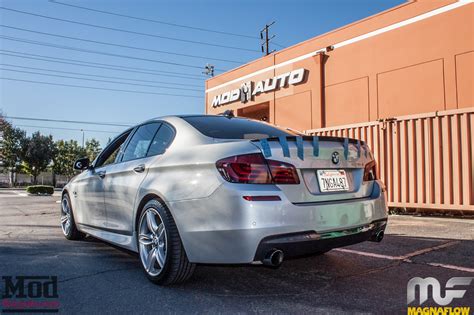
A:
(235, 128)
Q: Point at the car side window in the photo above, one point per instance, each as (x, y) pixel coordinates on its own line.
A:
(162, 140)
(138, 146)
(109, 155)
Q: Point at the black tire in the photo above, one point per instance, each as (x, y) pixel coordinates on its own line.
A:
(72, 233)
(177, 267)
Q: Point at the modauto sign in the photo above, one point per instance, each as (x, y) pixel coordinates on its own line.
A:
(248, 90)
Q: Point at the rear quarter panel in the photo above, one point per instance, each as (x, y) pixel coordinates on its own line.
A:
(189, 173)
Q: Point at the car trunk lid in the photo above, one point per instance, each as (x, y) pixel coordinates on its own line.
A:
(329, 168)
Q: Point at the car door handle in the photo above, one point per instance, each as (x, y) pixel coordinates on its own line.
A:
(101, 174)
(140, 168)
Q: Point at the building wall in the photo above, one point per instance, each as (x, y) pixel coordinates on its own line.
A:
(402, 80)
(422, 67)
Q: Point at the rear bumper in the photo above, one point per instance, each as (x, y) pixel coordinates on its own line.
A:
(225, 228)
(311, 242)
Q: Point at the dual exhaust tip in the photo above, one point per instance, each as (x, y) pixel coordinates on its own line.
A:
(273, 258)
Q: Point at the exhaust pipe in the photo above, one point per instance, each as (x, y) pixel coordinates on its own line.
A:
(273, 258)
(378, 237)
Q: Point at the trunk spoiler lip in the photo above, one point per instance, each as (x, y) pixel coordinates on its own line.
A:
(321, 138)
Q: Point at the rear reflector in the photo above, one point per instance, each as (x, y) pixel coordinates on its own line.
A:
(255, 169)
(262, 198)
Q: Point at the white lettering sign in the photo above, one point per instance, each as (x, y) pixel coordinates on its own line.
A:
(250, 89)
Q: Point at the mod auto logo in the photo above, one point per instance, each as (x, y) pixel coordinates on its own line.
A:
(450, 293)
(248, 90)
(30, 294)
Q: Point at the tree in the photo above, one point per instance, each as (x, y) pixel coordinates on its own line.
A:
(12, 148)
(65, 154)
(38, 154)
(92, 149)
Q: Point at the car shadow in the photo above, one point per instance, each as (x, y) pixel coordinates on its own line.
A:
(307, 280)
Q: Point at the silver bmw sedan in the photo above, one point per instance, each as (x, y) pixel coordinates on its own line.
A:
(185, 190)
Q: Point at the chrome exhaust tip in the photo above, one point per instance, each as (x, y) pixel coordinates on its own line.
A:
(273, 258)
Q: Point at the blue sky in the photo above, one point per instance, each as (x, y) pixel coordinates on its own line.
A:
(295, 21)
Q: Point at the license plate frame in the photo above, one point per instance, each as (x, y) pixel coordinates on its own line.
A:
(332, 180)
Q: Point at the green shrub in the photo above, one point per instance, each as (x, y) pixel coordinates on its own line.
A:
(40, 190)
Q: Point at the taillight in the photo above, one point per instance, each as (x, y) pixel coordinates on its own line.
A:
(255, 169)
(370, 171)
(283, 173)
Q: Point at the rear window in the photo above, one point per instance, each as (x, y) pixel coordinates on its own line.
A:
(235, 128)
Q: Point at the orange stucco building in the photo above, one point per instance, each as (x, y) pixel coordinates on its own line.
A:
(403, 80)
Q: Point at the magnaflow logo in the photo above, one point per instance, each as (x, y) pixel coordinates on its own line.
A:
(249, 90)
(425, 284)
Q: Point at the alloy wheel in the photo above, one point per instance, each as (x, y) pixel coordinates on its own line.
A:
(65, 216)
(152, 242)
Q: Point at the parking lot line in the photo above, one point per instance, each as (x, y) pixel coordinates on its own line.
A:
(429, 249)
(415, 253)
(458, 268)
(405, 258)
(345, 250)
(16, 195)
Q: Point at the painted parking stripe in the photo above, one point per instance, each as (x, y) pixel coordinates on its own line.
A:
(406, 257)
(13, 195)
(351, 251)
(10, 196)
(458, 268)
(415, 253)
(430, 249)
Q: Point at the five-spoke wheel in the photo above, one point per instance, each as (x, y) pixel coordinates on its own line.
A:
(65, 216)
(153, 242)
(68, 225)
(161, 251)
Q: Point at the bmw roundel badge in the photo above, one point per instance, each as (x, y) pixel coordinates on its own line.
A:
(335, 157)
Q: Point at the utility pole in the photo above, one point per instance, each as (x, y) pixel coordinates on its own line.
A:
(82, 138)
(209, 70)
(265, 44)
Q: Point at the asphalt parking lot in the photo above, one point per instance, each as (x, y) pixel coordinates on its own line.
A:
(367, 278)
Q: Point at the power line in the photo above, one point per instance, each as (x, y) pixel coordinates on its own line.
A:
(96, 88)
(279, 45)
(120, 45)
(73, 129)
(127, 31)
(28, 41)
(161, 22)
(154, 21)
(99, 76)
(96, 80)
(70, 121)
(102, 65)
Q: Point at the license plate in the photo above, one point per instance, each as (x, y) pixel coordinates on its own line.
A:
(332, 180)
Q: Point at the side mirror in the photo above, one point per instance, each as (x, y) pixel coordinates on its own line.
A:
(82, 164)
